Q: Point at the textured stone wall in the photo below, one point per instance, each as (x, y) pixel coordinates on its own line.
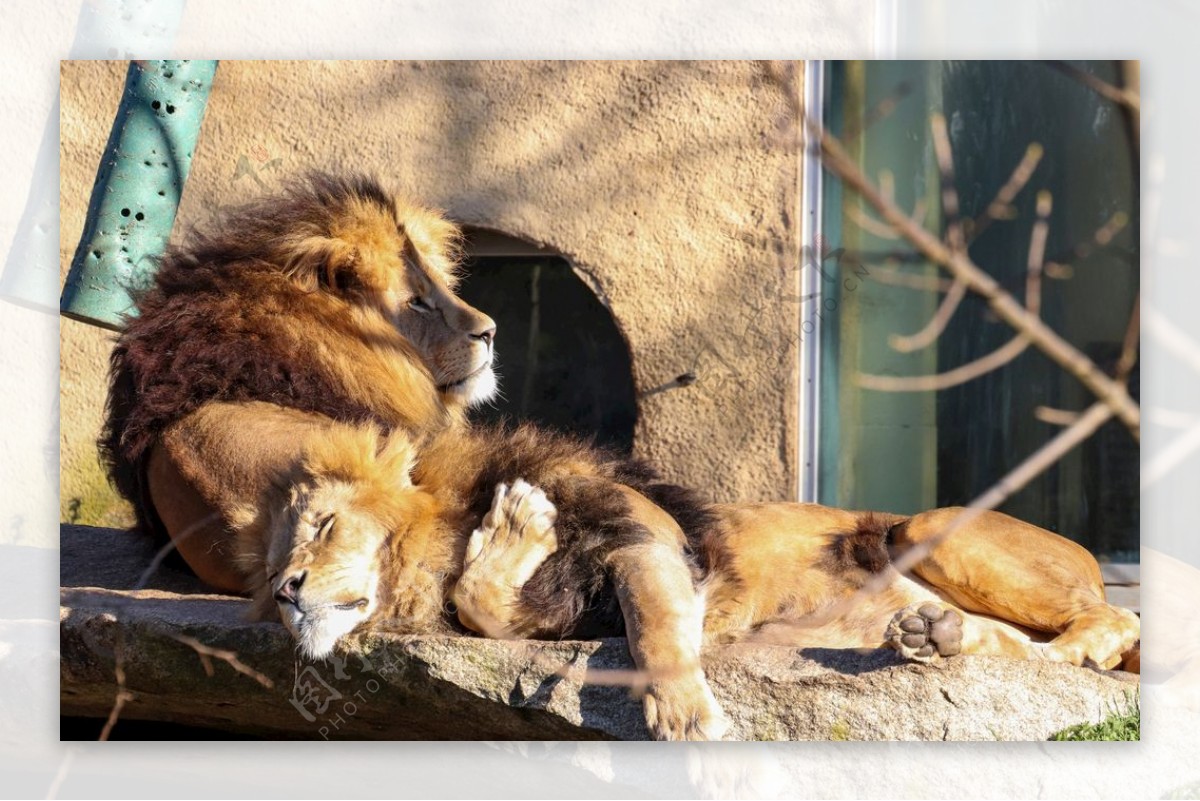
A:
(666, 184)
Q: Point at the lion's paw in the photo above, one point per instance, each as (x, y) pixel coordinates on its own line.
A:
(684, 710)
(519, 527)
(926, 632)
(514, 539)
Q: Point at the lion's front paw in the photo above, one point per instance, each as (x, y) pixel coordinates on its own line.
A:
(684, 710)
(517, 530)
(926, 632)
(515, 537)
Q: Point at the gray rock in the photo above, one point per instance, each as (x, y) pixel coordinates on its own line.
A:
(464, 688)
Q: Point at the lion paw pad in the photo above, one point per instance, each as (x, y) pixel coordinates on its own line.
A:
(926, 632)
(520, 522)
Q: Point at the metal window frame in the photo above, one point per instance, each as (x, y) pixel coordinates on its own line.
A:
(809, 367)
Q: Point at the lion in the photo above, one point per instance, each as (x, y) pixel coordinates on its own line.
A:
(762, 565)
(766, 569)
(334, 306)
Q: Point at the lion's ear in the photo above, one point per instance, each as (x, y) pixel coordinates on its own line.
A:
(396, 458)
(323, 262)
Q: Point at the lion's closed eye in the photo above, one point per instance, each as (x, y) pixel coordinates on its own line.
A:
(325, 527)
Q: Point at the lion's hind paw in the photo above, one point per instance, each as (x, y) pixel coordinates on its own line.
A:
(926, 632)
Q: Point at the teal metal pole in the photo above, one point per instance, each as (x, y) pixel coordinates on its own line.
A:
(138, 187)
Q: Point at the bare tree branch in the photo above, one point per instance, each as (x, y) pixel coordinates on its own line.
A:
(883, 230)
(945, 161)
(1001, 207)
(960, 266)
(951, 378)
(204, 652)
(208, 653)
(1129, 347)
(997, 358)
(123, 695)
(1173, 339)
(1056, 417)
(636, 680)
(1103, 236)
(897, 277)
(936, 325)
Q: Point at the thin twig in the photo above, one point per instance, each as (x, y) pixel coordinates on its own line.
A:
(936, 325)
(897, 277)
(951, 378)
(1055, 417)
(997, 358)
(1001, 207)
(882, 230)
(172, 544)
(123, 695)
(1166, 459)
(64, 767)
(1173, 339)
(207, 653)
(204, 652)
(945, 161)
(1171, 418)
(1129, 346)
(882, 110)
(637, 680)
(954, 235)
(1060, 264)
(1116, 94)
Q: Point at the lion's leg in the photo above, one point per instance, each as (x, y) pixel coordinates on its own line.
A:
(512, 541)
(932, 629)
(999, 566)
(904, 615)
(196, 528)
(800, 570)
(664, 616)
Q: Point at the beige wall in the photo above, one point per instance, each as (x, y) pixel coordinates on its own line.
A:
(667, 184)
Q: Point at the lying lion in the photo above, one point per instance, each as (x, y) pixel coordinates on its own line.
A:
(337, 302)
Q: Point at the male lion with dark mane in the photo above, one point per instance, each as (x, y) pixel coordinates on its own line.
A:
(288, 406)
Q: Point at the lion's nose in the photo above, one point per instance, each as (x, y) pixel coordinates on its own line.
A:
(486, 337)
(287, 593)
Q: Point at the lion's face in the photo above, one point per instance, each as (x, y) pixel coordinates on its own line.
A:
(455, 339)
(354, 541)
(400, 260)
(323, 566)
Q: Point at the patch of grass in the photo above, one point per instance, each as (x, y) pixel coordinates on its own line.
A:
(1123, 724)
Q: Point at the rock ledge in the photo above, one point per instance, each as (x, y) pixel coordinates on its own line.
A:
(466, 689)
